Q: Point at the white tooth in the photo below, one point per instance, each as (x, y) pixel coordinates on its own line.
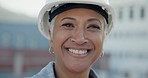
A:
(76, 51)
(70, 50)
(83, 52)
(80, 52)
(73, 51)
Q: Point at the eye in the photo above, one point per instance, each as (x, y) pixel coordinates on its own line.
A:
(93, 27)
(68, 25)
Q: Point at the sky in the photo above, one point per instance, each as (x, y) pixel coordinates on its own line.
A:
(27, 7)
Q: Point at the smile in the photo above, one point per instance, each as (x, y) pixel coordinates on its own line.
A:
(78, 52)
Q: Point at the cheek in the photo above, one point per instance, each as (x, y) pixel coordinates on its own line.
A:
(97, 40)
(58, 40)
(100, 40)
(99, 47)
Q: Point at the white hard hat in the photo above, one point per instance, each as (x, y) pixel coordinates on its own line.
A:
(43, 18)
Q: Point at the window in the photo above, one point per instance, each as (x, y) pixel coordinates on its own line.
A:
(142, 14)
(120, 13)
(6, 39)
(20, 41)
(131, 13)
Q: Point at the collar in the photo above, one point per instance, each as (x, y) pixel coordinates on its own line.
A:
(49, 72)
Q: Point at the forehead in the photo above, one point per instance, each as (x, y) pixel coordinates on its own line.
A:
(80, 13)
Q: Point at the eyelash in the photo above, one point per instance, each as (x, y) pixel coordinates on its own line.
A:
(67, 25)
(94, 27)
(70, 25)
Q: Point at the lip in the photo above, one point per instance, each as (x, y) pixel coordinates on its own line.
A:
(79, 56)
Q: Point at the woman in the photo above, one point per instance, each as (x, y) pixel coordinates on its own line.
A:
(76, 30)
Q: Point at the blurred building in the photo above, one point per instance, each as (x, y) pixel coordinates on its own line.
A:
(128, 43)
(23, 51)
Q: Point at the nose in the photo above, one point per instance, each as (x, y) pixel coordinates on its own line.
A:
(79, 38)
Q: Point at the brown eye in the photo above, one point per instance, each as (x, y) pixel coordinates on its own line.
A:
(94, 27)
(68, 25)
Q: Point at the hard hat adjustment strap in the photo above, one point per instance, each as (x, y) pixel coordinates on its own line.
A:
(55, 10)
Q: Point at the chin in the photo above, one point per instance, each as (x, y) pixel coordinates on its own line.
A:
(77, 67)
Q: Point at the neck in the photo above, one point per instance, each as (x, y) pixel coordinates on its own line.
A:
(62, 72)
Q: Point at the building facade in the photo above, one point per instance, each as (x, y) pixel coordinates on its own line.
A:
(128, 42)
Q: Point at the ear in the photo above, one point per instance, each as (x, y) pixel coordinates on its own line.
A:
(51, 39)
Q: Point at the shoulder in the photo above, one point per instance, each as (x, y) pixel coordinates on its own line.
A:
(46, 72)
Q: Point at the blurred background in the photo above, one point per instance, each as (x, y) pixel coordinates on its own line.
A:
(24, 51)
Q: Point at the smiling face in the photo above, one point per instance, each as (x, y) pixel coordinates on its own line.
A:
(78, 39)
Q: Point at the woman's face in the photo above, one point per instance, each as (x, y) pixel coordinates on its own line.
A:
(78, 39)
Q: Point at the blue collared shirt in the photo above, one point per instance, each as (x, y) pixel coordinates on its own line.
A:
(48, 72)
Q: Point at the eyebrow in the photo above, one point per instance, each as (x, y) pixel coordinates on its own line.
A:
(89, 20)
(68, 18)
(93, 19)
